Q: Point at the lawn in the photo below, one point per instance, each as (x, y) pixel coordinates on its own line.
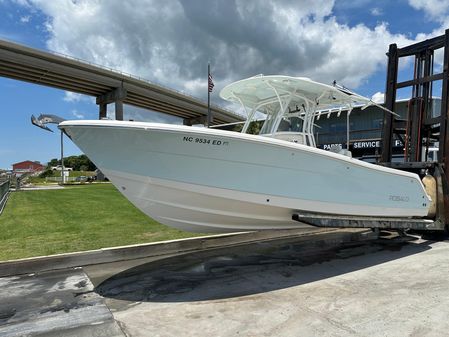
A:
(91, 216)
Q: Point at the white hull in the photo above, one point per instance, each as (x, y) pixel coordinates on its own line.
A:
(207, 180)
(197, 208)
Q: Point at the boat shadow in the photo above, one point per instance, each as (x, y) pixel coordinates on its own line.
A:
(249, 270)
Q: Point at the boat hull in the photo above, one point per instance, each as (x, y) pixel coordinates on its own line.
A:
(207, 180)
(197, 208)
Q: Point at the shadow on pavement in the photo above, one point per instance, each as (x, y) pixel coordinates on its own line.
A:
(249, 269)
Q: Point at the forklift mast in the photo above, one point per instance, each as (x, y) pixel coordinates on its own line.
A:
(421, 128)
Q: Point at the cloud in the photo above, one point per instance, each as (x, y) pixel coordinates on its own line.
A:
(73, 97)
(378, 97)
(25, 19)
(77, 114)
(376, 11)
(171, 42)
(435, 9)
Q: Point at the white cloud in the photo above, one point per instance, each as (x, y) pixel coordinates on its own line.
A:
(75, 97)
(25, 19)
(77, 114)
(378, 97)
(171, 42)
(435, 9)
(195, 85)
(376, 11)
(72, 97)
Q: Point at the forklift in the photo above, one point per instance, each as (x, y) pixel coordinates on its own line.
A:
(424, 132)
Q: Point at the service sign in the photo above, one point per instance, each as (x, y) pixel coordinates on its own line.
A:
(365, 144)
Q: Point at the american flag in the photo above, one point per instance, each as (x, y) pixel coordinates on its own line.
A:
(210, 83)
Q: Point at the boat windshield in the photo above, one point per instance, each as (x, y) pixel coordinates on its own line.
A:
(292, 124)
(288, 123)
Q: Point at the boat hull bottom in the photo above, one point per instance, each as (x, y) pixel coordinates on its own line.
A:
(199, 209)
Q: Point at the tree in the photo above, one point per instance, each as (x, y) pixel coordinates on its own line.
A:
(53, 162)
(77, 163)
(254, 127)
(47, 173)
(85, 161)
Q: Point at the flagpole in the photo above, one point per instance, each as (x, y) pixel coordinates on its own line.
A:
(208, 95)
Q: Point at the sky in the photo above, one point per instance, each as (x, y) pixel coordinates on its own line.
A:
(170, 43)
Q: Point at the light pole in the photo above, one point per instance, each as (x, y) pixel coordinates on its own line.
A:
(41, 122)
(62, 159)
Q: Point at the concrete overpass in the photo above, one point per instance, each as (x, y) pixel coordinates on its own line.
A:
(108, 86)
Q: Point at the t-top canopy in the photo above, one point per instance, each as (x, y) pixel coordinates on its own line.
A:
(282, 98)
(260, 91)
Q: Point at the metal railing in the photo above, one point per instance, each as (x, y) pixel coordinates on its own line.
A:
(4, 193)
(66, 179)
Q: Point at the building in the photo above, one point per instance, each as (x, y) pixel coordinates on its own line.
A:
(365, 131)
(27, 166)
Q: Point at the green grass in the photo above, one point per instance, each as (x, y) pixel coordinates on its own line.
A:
(77, 174)
(92, 216)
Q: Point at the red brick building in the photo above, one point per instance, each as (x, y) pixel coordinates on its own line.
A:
(27, 166)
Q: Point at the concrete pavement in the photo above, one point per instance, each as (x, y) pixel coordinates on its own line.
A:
(320, 285)
(376, 289)
(56, 303)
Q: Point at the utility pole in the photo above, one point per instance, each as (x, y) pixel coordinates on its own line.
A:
(62, 159)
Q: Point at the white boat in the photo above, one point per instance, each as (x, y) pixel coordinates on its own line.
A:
(211, 180)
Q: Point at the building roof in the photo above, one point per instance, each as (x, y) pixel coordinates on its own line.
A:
(28, 161)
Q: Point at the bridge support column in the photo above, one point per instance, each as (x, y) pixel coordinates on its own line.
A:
(103, 111)
(119, 110)
(116, 96)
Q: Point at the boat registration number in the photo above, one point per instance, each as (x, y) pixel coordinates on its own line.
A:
(198, 140)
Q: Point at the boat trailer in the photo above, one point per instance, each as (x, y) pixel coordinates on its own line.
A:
(339, 221)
